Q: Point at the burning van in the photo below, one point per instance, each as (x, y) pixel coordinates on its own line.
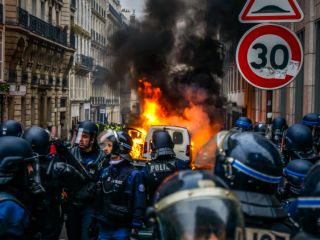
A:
(180, 137)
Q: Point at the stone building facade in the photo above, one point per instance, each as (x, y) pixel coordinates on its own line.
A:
(37, 59)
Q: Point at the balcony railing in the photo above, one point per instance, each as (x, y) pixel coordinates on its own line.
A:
(115, 13)
(23, 17)
(84, 60)
(41, 27)
(112, 102)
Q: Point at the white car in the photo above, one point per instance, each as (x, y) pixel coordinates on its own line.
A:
(180, 137)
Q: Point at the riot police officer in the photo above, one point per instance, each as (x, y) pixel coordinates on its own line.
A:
(279, 125)
(89, 159)
(121, 211)
(10, 128)
(294, 174)
(243, 124)
(163, 162)
(251, 165)
(299, 144)
(46, 211)
(196, 205)
(309, 206)
(17, 184)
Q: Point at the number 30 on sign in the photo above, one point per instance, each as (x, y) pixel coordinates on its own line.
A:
(269, 56)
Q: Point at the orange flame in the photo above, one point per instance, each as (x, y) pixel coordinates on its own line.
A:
(194, 118)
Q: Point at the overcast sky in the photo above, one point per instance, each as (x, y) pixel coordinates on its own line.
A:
(138, 5)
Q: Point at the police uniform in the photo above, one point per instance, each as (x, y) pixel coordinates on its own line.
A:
(15, 218)
(81, 203)
(123, 200)
(264, 217)
(157, 170)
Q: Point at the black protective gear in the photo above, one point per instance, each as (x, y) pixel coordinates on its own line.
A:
(194, 202)
(309, 203)
(243, 124)
(260, 128)
(294, 173)
(161, 144)
(89, 127)
(298, 138)
(14, 154)
(68, 175)
(279, 125)
(122, 144)
(311, 120)
(39, 140)
(299, 143)
(10, 128)
(249, 162)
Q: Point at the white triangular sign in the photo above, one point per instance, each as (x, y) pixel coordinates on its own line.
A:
(271, 11)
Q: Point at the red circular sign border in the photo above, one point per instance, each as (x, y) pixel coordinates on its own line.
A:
(247, 40)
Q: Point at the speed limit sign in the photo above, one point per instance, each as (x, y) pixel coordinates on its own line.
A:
(269, 56)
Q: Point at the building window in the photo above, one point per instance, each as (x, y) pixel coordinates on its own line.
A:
(43, 11)
(11, 107)
(33, 112)
(299, 86)
(23, 111)
(57, 18)
(50, 15)
(34, 7)
(49, 109)
(63, 102)
(22, 4)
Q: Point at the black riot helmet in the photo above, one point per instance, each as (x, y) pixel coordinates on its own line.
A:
(39, 140)
(122, 144)
(197, 205)
(260, 128)
(244, 124)
(299, 143)
(279, 123)
(249, 162)
(309, 204)
(161, 144)
(310, 120)
(295, 173)
(11, 128)
(15, 154)
(90, 128)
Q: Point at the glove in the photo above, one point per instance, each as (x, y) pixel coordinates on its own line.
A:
(67, 175)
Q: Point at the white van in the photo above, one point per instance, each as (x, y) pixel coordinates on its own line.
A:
(180, 137)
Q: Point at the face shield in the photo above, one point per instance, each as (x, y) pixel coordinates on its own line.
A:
(33, 175)
(105, 142)
(197, 214)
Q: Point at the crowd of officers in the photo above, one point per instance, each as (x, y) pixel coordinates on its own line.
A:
(265, 185)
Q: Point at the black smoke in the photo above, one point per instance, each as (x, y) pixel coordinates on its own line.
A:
(177, 46)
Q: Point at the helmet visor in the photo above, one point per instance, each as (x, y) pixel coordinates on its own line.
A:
(204, 217)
